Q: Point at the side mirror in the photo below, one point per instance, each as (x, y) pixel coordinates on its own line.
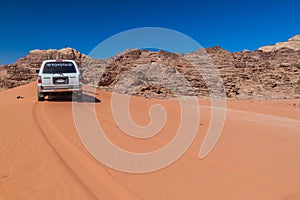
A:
(37, 71)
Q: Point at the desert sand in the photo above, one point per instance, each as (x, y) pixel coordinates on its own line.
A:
(42, 157)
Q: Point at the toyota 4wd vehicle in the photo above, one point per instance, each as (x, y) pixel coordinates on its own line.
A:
(59, 77)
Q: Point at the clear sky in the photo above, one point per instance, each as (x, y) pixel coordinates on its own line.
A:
(234, 25)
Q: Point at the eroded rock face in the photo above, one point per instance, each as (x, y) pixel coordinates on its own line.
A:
(266, 75)
(152, 74)
(261, 74)
(245, 75)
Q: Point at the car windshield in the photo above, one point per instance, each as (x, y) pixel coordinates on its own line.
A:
(59, 67)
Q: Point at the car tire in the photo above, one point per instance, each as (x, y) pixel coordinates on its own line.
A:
(41, 96)
(79, 96)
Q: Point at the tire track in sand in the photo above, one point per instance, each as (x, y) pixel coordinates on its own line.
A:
(38, 125)
(91, 175)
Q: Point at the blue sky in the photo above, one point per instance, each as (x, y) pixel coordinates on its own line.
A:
(233, 25)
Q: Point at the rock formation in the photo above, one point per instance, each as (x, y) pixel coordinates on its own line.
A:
(245, 75)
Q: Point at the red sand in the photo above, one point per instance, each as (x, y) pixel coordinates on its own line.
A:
(42, 157)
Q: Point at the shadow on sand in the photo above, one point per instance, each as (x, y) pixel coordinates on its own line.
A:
(69, 98)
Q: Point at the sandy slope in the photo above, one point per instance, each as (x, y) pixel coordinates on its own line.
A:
(41, 155)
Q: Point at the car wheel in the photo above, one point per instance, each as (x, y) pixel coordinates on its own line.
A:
(41, 96)
(79, 96)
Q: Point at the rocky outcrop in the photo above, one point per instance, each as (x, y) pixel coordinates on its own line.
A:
(245, 75)
(151, 74)
(14, 75)
(293, 44)
(263, 75)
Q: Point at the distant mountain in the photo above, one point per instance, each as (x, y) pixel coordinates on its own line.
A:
(271, 72)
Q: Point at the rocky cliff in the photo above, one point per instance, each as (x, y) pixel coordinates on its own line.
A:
(245, 75)
(271, 72)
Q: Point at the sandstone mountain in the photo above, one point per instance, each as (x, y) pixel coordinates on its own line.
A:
(257, 74)
(268, 73)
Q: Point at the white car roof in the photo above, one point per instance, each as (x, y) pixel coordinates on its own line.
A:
(59, 60)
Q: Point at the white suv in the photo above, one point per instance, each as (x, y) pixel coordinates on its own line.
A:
(59, 76)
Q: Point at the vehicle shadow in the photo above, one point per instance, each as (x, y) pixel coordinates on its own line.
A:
(69, 98)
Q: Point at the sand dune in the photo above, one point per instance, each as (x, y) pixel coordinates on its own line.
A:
(42, 157)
